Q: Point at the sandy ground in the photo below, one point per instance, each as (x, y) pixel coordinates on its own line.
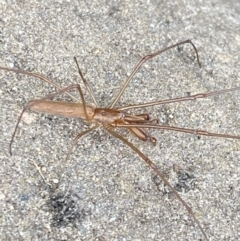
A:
(107, 191)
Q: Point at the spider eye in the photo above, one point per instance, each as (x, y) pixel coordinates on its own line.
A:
(103, 112)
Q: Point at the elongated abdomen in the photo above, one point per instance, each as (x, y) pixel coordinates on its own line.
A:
(60, 108)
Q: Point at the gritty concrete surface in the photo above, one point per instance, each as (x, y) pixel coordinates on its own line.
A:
(107, 191)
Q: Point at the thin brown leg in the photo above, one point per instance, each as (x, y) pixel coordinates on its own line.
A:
(85, 82)
(77, 138)
(18, 71)
(161, 175)
(28, 106)
(179, 129)
(185, 98)
(73, 144)
(147, 57)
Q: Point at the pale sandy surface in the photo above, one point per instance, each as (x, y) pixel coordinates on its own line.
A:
(114, 192)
